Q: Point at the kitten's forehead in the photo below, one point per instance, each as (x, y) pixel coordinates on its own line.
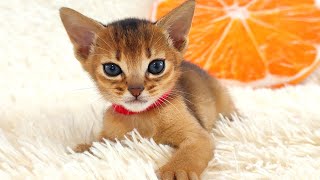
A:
(132, 39)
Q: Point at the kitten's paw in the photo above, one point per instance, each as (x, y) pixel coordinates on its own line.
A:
(82, 148)
(173, 174)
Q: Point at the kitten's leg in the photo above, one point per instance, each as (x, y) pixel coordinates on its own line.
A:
(224, 102)
(80, 148)
(230, 110)
(195, 150)
(112, 130)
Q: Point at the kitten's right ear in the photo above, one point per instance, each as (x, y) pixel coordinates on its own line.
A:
(81, 31)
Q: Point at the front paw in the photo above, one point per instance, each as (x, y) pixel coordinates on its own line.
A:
(82, 148)
(168, 172)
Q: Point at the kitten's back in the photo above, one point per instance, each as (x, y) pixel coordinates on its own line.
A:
(204, 95)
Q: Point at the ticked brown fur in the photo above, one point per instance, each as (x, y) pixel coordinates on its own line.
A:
(186, 117)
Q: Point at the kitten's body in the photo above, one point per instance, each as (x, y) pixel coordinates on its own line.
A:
(194, 99)
(195, 94)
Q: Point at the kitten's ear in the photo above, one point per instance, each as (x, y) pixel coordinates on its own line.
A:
(177, 23)
(81, 31)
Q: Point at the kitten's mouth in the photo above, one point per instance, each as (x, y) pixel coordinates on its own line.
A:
(136, 101)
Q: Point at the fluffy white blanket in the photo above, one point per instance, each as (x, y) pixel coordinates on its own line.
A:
(48, 105)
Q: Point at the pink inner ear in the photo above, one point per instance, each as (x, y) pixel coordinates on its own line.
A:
(177, 34)
(83, 39)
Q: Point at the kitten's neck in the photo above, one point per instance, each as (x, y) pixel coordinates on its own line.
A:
(122, 110)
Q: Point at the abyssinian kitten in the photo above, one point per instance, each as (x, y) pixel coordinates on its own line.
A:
(138, 66)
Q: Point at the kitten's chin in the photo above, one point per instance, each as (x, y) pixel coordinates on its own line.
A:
(137, 106)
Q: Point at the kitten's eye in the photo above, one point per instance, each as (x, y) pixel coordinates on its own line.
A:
(112, 69)
(156, 66)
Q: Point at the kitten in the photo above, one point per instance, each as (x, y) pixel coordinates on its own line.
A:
(138, 66)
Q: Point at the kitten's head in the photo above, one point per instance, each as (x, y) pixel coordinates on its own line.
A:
(133, 62)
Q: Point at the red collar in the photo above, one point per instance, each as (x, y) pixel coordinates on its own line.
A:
(122, 110)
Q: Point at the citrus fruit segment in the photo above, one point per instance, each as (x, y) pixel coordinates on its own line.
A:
(260, 43)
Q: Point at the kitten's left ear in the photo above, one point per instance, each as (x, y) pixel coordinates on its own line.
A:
(177, 23)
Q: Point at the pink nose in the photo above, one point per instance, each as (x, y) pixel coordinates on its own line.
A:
(135, 90)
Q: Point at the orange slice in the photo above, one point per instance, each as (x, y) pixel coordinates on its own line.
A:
(259, 43)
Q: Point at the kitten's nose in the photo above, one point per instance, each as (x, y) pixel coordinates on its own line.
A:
(135, 90)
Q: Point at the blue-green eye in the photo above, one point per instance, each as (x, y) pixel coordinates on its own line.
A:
(112, 69)
(156, 66)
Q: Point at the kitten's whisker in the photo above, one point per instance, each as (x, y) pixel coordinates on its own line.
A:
(184, 92)
(179, 93)
(152, 36)
(97, 54)
(173, 106)
(183, 98)
(104, 40)
(201, 101)
(101, 48)
(187, 106)
(111, 35)
(157, 41)
(182, 71)
(163, 102)
(159, 104)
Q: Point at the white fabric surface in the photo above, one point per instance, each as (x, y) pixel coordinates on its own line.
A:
(47, 104)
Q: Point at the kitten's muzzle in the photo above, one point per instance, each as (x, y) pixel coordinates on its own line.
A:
(135, 90)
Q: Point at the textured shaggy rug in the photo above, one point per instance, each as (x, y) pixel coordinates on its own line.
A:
(48, 105)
